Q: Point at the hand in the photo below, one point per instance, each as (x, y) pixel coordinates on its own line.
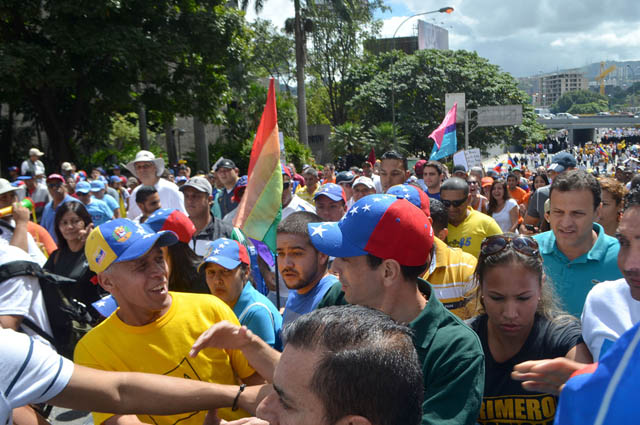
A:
(524, 231)
(20, 213)
(84, 233)
(545, 375)
(223, 335)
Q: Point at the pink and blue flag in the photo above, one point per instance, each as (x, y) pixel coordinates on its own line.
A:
(444, 137)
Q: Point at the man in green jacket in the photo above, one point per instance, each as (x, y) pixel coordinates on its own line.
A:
(381, 248)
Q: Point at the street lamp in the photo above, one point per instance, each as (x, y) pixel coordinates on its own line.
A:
(447, 9)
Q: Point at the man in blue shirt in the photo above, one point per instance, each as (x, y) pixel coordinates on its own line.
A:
(576, 251)
(59, 195)
(303, 268)
(99, 210)
(227, 270)
(98, 190)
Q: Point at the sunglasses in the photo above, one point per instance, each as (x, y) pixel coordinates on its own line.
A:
(523, 244)
(447, 203)
(54, 185)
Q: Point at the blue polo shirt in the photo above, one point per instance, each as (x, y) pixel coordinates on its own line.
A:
(572, 280)
(49, 216)
(257, 313)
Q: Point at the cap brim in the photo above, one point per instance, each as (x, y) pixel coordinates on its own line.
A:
(83, 191)
(327, 238)
(225, 262)
(143, 245)
(329, 195)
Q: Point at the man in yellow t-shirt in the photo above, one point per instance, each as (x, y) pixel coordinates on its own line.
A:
(311, 185)
(153, 329)
(467, 227)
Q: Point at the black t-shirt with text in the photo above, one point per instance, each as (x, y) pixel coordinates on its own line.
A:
(505, 402)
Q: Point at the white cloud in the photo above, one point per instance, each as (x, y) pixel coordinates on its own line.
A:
(276, 11)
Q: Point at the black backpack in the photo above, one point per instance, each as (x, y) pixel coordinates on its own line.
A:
(70, 319)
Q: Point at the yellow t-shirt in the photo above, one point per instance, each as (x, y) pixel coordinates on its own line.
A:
(162, 347)
(304, 194)
(451, 277)
(472, 231)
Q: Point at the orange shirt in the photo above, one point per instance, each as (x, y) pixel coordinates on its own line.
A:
(519, 194)
(40, 234)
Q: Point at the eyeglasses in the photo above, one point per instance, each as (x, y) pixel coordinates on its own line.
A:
(523, 244)
(472, 182)
(54, 185)
(447, 203)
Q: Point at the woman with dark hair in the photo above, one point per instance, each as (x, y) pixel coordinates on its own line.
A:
(613, 193)
(539, 180)
(72, 226)
(502, 207)
(519, 321)
(181, 260)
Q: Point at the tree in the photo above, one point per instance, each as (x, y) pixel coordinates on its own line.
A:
(273, 52)
(339, 29)
(421, 81)
(70, 65)
(599, 103)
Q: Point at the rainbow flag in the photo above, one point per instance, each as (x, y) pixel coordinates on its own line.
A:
(444, 137)
(260, 209)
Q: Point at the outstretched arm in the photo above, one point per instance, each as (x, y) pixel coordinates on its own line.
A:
(226, 335)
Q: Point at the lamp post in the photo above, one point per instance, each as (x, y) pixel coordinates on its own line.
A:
(447, 9)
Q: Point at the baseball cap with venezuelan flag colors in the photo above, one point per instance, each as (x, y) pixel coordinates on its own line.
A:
(122, 240)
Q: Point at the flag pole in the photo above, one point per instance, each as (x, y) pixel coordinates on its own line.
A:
(275, 257)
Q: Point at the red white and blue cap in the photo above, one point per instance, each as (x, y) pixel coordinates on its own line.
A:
(332, 191)
(412, 194)
(122, 240)
(380, 225)
(173, 220)
(227, 253)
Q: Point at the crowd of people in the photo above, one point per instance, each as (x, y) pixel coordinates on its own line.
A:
(395, 294)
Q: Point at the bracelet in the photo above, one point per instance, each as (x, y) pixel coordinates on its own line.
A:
(234, 407)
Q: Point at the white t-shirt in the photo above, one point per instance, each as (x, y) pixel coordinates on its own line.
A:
(37, 167)
(170, 197)
(609, 311)
(36, 254)
(21, 295)
(503, 218)
(297, 204)
(30, 372)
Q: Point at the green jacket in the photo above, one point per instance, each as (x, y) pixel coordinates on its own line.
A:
(452, 361)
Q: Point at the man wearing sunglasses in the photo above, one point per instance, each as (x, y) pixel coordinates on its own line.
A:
(291, 202)
(59, 195)
(467, 227)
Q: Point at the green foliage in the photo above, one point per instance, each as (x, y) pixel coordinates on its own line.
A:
(71, 64)
(339, 29)
(380, 137)
(297, 152)
(420, 82)
(123, 144)
(586, 108)
(348, 139)
(599, 103)
(317, 103)
(273, 52)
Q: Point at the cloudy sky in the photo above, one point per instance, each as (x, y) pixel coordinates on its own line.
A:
(523, 37)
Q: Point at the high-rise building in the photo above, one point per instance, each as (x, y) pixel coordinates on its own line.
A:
(554, 85)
